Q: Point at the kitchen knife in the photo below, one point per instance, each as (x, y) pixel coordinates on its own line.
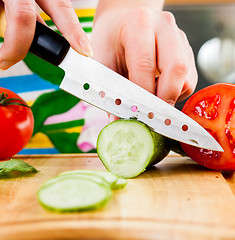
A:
(98, 85)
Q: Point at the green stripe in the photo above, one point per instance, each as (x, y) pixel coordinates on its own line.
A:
(62, 126)
(86, 19)
(1, 40)
(58, 31)
(50, 23)
(81, 19)
(87, 29)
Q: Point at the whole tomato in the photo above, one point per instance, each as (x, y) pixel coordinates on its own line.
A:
(16, 123)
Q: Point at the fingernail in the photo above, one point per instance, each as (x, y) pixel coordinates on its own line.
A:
(4, 65)
(85, 47)
(171, 102)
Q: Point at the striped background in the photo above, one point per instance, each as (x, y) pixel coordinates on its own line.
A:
(30, 86)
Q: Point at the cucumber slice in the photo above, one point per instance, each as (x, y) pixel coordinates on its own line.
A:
(95, 178)
(121, 183)
(128, 147)
(73, 193)
(109, 177)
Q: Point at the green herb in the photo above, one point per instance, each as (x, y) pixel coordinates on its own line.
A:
(15, 168)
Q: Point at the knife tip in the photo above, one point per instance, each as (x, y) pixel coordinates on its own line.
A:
(213, 145)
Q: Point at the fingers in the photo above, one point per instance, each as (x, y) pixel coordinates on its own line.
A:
(40, 19)
(21, 17)
(140, 50)
(175, 60)
(178, 76)
(65, 18)
(191, 78)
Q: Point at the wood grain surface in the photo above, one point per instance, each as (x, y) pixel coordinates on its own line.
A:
(196, 2)
(177, 199)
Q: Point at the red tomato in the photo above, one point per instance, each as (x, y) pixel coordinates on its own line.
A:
(16, 123)
(214, 108)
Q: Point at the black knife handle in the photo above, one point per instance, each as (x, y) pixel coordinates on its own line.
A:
(49, 45)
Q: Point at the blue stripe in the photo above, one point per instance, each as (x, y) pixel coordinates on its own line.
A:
(26, 83)
(39, 151)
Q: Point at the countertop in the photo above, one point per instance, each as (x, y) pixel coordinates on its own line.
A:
(176, 199)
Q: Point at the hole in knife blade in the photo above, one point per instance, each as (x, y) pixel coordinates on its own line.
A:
(185, 128)
(167, 122)
(193, 141)
(134, 108)
(150, 115)
(118, 101)
(86, 86)
(102, 94)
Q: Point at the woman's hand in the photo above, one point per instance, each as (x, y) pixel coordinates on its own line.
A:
(21, 19)
(138, 39)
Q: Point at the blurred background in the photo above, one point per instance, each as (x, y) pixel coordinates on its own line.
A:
(210, 28)
(61, 118)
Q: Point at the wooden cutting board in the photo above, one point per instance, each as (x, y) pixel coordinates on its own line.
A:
(177, 199)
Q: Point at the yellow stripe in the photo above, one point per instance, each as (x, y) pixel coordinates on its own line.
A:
(30, 103)
(39, 140)
(68, 130)
(85, 12)
(79, 12)
(74, 129)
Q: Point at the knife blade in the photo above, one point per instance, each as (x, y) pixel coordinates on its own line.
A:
(98, 85)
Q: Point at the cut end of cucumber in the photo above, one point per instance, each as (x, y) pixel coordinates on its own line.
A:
(126, 147)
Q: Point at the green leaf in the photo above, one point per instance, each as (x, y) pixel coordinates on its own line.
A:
(49, 104)
(44, 69)
(60, 127)
(59, 139)
(15, 168)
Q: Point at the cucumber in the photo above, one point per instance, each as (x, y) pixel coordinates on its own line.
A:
(127, 147)
(176, 147)
(79, 190)
(73, 193)
(112, 179)
(109, 177)
(121, 183)
(95, 178)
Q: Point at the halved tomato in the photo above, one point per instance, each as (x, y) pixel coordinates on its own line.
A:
(214, 108)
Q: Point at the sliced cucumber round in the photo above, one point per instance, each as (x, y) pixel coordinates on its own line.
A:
(73, 193)
(95, 178)
(128, 147)
(121, 183)
(109, 177)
